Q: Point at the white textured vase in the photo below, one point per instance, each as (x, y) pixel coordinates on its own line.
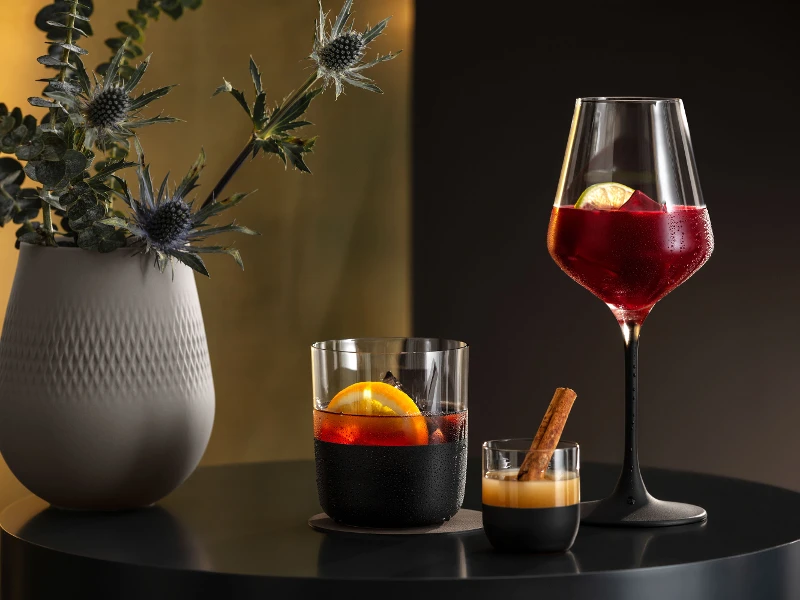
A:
(106, 393)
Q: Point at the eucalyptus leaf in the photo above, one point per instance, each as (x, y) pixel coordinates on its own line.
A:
(77, 16)
(70, 47)
(138, 18)
(27, 205)
(103, 238)
(130, 31)
(75, 163)
(52, 201)
(192, 4)
(6, 208)
(58, 25)
(61, 98)
(61, 86)
(9, 166)
(30, 150)
(115, 43)
(7, 123)
(84, 212)
(21, 134)
(43, 102)
(54, 146)
(47, 172)
(175, 12)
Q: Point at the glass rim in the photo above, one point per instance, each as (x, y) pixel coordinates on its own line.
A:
(458, 346)
(630, 99)
(504, 445)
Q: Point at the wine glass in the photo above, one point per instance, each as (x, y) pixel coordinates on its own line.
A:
(630, 225)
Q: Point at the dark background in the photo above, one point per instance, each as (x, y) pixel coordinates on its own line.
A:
(494, 91)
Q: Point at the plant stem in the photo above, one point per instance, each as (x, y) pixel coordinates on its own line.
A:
(48, 224)
(65, 52)
(237, 163)
(274, 117)
(248, 149)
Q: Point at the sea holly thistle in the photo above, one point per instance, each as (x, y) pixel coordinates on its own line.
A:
(92, 120)
(338, 57)
(339, 53)
(107, 110)
(164, 223)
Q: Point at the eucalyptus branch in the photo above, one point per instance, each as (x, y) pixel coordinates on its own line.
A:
(47, 217)
(62, 75)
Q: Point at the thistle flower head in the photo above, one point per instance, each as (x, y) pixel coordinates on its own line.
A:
(342, 53)
(339, 52)
(106, 107)
(163, 223)
(167, 225)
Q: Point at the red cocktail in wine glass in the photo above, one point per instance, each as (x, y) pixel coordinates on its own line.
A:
(630, 225)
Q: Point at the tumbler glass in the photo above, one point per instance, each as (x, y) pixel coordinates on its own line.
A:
(390, 429)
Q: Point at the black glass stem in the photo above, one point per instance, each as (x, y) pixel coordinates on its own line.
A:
(630, 504)
(630, 484)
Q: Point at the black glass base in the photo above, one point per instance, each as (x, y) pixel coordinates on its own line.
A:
(616, 511)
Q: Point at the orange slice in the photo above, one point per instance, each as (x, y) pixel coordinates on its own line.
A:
(373, 398)
(372, 413)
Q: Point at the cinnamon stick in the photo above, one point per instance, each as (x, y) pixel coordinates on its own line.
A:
(548, 435)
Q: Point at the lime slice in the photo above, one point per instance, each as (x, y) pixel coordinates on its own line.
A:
(604, 196)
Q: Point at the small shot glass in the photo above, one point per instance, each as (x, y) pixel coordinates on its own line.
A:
(539, 515)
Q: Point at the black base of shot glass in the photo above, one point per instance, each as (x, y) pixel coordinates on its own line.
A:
(531, 529)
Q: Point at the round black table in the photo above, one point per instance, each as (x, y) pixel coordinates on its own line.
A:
(241, 532)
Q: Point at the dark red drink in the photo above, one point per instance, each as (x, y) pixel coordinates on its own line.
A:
(630, 259)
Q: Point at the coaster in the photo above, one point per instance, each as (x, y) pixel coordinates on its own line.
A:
(463, 521)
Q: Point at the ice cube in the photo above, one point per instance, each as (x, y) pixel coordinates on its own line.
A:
(640, 202)
(392, 380)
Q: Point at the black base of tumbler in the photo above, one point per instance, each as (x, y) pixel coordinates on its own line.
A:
(618, 511)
